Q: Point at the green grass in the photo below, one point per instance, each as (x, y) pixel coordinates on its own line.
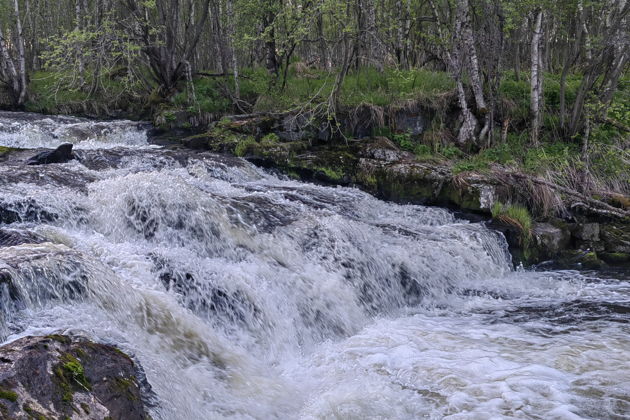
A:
(515, 215)
(365, 86)
(308, 87)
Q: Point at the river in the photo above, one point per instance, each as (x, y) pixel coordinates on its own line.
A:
(248, 295)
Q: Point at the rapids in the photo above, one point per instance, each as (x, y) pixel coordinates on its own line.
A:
(247, 295)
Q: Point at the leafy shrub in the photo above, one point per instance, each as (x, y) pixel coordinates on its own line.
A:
(243, 146)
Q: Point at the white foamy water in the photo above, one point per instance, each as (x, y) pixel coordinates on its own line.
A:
(246, 296)
(31, 131)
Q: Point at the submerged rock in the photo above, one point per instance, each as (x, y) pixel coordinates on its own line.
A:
(61, 154)
(38, 273)
(59, 377)
(24, 210)
(13, 237)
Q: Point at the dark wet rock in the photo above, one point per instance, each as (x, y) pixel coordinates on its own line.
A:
(259, 213)
(58, 377)
(615, 258)
(550, 240)
(587, 231)
(27, 210)
(13, 237)
(571, 312)
(413, 123)
(196, 142)
(61, 154)
(168, 137)
(206, 299)
(41, 273)
(382, 148)
(591, 260)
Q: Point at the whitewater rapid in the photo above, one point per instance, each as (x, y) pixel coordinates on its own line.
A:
(247, 295)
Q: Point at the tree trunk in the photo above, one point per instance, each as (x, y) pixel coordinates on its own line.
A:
(563, 84)
(468, 40)
(517, 55)
(324, 60)
(271, 56)
(454, 60)
(608, 63)
(21, 67)
(8, 70)
(232, 32)
(536, 78)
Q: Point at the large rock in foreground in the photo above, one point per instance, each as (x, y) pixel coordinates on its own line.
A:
(58, 377)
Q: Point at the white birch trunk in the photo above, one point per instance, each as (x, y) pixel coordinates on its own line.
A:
(21, 55)
(536, 78)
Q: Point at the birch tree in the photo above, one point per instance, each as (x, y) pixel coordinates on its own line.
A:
(536, 76)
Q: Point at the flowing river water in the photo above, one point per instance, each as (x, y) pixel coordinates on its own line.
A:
(246, 295)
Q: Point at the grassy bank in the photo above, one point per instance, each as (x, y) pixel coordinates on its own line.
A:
(602, 171)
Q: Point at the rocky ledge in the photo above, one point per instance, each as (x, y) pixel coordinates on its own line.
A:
(60, 377)
(568, 227)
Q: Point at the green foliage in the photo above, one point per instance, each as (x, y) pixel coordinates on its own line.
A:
(404, 141)
(503, 154)
(407, 143)
(91, 63)
(364, 86)
(243, 146)
(555, 155)
(270, 139)
(514, 215)
(74, 371)
(331, 173)
(32, 413)
(8, 395)
(4, 150)
(451, 152)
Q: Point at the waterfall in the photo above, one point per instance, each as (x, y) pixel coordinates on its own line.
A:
(246, 295)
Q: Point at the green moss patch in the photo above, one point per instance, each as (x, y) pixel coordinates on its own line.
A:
(70, 376)
(517, 216)
(6, 394)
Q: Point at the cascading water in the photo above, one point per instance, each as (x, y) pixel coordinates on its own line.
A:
(248, 296)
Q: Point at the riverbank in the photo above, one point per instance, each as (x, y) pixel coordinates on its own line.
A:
(542, 221)
(540, 196)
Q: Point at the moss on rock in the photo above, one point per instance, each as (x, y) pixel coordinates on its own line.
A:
(7, 394)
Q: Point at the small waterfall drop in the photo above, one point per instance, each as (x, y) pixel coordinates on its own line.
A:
(249, 296)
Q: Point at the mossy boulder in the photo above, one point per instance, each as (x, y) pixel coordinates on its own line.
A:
(616, 258)
(57, 376)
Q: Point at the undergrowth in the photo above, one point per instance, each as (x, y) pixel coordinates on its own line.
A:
(517, 216)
